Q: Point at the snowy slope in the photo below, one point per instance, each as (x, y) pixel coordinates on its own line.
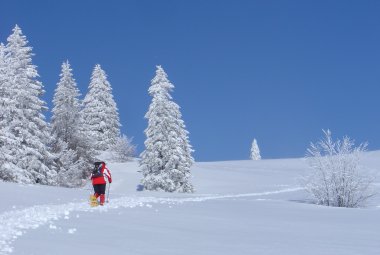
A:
(240, 207)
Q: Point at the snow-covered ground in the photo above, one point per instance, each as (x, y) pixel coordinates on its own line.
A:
(240, 207)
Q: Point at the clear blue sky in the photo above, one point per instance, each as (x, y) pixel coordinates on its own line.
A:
(279, 71)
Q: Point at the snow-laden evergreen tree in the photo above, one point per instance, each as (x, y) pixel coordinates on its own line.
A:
(167, 159)
(66, 108)
(100, 114)
(30, 155)
(9, 143)
(67, 138)
(255, 151)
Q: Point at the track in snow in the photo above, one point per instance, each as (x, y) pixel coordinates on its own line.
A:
(15, 223)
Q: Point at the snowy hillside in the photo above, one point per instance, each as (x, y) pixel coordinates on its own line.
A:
(239, 207)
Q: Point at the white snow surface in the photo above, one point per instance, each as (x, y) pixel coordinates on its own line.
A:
(239, 207)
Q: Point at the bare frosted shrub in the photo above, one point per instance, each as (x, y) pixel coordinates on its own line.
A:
(337, 178)
(123, 150)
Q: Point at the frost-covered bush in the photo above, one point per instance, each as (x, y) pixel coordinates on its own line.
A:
(123, 150)
(337, 179)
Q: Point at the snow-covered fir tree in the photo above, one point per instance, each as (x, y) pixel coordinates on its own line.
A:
(30, 155)
(100, 114)
(68, 141)
(167, 159)
(66, 108)
(9, 143)
(255, 151)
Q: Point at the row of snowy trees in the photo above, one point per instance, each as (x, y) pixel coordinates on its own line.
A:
(81, 129)
(61, 152)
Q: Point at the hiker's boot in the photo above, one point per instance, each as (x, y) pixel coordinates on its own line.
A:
(102, 198)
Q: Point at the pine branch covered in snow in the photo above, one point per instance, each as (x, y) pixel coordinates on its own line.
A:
(167, 159)
(337, 178)
(255, 151)
(100, 114)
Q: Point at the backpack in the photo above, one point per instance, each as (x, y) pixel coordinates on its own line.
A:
(97, 171)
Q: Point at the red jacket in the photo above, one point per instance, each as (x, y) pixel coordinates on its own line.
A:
(102, 179)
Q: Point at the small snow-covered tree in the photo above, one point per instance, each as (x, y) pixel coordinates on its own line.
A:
(100, 114)
(255, 151)
(74, 155)
(167, 159)
(70, 166)
(33, 161)
(337, 178)
(123, 150)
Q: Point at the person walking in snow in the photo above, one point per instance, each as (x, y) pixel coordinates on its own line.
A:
(98, 177)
